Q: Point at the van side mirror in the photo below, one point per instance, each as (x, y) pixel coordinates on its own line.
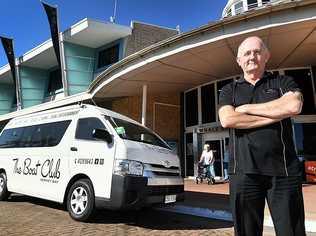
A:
(102, 134)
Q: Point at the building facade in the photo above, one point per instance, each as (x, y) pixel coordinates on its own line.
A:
(88, 48)
(171, 82)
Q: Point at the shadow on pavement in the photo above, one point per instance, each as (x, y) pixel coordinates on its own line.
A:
(36, 201)
(207, 200)
(159, 220)
(146, 218)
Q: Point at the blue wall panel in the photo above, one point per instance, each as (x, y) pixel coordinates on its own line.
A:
(33, 85)
(7, 95)
(80, 63)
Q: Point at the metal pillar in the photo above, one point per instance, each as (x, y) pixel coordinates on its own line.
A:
(144, 104)
(197, 150)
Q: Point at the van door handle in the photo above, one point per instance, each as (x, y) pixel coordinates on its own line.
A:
(73, 149)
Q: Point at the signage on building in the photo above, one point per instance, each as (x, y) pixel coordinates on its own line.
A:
(210, 129)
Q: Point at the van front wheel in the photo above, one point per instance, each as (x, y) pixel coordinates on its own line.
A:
(4, 193)
(80, 200)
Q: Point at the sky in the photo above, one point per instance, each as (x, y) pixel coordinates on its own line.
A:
(26, 22)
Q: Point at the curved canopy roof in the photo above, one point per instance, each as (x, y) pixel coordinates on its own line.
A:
(208, 53)
(205, 54)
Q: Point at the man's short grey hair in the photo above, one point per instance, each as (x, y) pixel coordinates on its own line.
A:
(263, 45)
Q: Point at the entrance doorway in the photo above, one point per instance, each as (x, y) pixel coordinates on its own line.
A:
(216, 147)
(218, 143)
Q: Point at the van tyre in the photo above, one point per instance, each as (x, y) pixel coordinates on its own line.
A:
(4, 193)
(80, 200)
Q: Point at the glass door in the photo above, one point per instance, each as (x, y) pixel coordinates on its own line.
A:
(218, 143)
(189, 157)
(216, 147)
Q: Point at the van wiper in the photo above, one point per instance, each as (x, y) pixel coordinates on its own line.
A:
(138, 140)
(144, 141)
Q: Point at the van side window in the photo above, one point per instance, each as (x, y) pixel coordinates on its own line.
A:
(48, 135)
(26, 137)
(43, 135)
(86, 126)
(10, 138)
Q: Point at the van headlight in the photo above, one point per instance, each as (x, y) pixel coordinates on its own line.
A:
(128, 167)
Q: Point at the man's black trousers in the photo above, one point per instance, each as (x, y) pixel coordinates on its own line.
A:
(248, 193)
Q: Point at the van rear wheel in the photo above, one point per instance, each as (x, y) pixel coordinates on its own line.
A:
(80, 200)
(4, 193)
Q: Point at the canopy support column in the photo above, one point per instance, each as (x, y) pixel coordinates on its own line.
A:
(144, 104)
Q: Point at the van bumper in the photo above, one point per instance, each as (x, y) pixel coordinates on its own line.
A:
(131, 192)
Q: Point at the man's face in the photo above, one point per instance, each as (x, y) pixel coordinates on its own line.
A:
(252, 57)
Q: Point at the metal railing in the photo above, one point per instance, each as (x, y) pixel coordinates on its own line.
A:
(251, 6)
(239, 10)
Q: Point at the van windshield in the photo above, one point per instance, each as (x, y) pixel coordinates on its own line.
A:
(134, 132)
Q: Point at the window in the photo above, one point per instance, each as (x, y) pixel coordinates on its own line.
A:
(191, 108)
(304, 81)
(48, 135)
(252, 4)
(108, 56)
(208, 104)
(229, 12)
(239, 8)
(55, 81)
(10, 138)
(86, 126)
(134, 132)
(305, 137)
(26, 137)
(43, 135)
(220, 85)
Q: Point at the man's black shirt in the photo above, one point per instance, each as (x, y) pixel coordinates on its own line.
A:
(267, 150)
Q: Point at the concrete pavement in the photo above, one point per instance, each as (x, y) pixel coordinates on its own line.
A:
(212, 201)
(27, 216)
(204, 212)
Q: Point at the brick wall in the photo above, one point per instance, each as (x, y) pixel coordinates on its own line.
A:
(167, 118)
(144, 35)
(128, 106)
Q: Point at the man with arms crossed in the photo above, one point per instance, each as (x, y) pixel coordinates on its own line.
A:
(263, 163)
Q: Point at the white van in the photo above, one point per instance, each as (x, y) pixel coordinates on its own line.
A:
(87, 157)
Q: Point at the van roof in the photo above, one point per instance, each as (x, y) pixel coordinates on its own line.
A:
(112, 114)
(67, 111)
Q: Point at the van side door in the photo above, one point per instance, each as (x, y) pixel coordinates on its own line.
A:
(93, 157)
(38, 165)
(49, 156)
